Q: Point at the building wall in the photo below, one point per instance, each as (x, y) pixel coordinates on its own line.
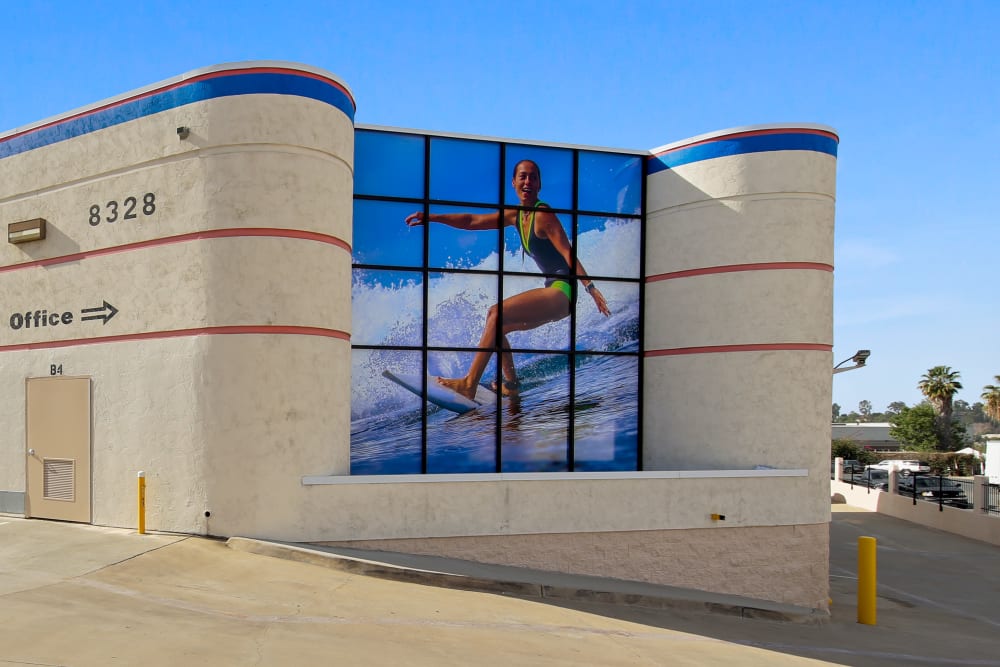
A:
(873, 435)
(739, 301)
(206, 378)
(225, 373)
(703, 559)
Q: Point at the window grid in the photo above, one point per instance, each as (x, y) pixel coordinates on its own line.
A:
(571, 354)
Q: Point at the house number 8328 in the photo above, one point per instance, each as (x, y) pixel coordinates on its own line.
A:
(129, 209)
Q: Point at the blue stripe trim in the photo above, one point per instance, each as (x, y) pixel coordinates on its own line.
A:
(758, 143)
(196, 91)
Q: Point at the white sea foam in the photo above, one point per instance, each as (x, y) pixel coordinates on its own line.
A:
(390, 314)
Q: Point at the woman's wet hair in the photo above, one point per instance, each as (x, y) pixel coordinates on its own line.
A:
(520, 162)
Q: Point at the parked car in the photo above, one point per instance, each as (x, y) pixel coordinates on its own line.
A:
(874, 478)
(851, 466)
(949, 491)
(906, 467)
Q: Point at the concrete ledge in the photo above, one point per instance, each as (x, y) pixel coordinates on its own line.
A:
(313, 480)
(504, 580)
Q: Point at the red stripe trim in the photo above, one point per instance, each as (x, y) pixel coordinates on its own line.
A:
(235, 232)
(751, 133)
(752, 347)
(732, 268)
(266, 329)
(185, 82)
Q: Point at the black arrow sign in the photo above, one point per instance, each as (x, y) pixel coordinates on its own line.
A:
(105, 312)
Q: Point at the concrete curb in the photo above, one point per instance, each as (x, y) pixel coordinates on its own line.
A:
(448, 573)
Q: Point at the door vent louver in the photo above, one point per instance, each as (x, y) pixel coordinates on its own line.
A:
(58, 479)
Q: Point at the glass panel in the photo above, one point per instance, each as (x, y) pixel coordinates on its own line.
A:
(387, 307)
(385, 417)
(606, 412)
(460, 442)
(556, 166)
(610, 246)
(381, 235)
(518, 260)
(388, 164)
(535, 423)
(619, 331)
(465, 170)
(454, 248)
(610, 182)
(458, 304)
(527, 306)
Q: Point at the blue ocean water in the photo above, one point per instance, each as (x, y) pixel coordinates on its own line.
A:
(386, 420)
(533, 428)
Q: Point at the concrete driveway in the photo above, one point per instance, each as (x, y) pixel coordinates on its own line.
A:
(84, 595)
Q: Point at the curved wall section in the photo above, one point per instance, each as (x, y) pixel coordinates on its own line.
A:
(224, 252)
(739, 300)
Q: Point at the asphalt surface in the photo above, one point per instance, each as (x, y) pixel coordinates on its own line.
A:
(83, 595)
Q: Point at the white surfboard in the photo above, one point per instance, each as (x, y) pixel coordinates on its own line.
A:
(440, 395)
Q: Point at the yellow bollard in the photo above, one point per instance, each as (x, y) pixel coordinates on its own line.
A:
(866, 580)
(142, 503)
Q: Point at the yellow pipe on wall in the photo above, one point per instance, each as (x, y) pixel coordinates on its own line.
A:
(142, 502)
(866, 580)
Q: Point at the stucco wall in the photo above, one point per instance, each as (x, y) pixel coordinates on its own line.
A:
(221, 372)
(739, 303)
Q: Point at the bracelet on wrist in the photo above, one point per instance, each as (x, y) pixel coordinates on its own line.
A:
(590, 287)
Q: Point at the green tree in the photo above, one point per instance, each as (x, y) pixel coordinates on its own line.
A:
(895, 408)
(848, 449)
(916, 429)
(939, 385)
(836, 411)
(865, 408)
(991, 400)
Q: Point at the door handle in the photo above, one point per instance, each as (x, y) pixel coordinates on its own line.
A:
(31, 452)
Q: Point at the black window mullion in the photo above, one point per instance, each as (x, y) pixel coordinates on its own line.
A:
(498, 343)
(425, 295)
(575, 271)
(642, 314)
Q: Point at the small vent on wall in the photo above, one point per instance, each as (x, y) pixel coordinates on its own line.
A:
(58, 479)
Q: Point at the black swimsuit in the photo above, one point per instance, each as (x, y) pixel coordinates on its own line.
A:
(548, 259)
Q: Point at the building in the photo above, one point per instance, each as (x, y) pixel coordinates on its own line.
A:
(869, 435)
(195, 270)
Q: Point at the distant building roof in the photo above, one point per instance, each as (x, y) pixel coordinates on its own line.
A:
(865, 433)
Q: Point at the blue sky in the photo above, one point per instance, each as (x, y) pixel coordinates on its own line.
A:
(909, 86)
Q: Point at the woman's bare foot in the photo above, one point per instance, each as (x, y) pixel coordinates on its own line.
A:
(459, 386)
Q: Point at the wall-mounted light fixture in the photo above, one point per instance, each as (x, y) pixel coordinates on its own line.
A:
(859, 359)
(183, 132)
(23, 232)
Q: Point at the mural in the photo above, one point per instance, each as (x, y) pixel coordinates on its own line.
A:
(496, 306)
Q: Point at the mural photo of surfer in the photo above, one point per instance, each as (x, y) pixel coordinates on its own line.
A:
(496, 306)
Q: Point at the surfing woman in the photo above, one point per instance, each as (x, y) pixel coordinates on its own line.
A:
(544, 240)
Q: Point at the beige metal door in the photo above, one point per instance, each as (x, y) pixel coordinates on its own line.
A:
(58, 448)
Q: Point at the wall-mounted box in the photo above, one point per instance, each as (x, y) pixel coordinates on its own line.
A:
(23, 232)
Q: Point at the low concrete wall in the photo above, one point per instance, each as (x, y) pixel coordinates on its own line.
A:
(736, 561)
(967, 523)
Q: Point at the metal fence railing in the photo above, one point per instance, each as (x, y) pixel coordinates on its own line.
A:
(938, 489)
(991, 494)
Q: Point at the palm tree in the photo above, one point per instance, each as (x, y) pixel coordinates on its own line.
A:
(991, 398)
(939, 385)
